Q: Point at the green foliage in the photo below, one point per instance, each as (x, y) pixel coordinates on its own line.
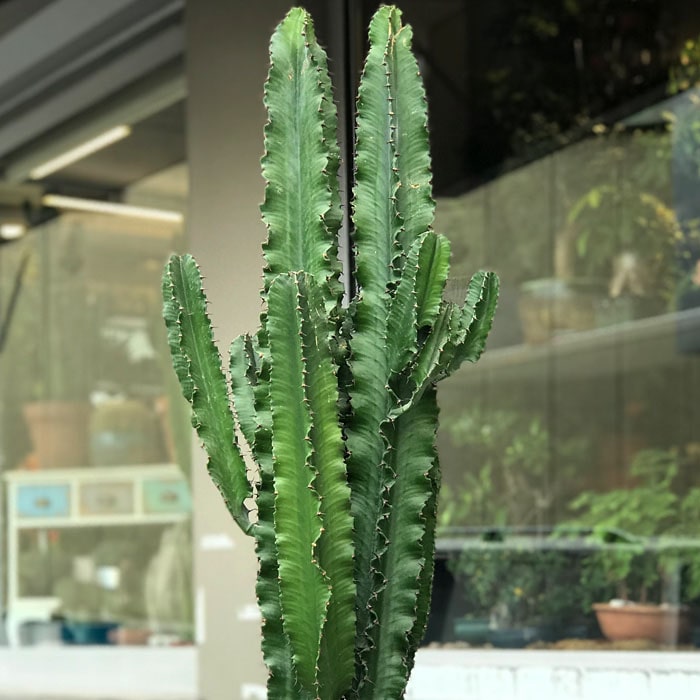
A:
(635, 210)
(517, 582)
(337, 405)
(528, 91)
(622, 218)
(643, 510)
(686, 73)
(507, 479)
(644, 532)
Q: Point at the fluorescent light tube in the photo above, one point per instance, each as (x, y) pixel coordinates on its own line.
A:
(85, 149)
(99, 206)
(11, 230)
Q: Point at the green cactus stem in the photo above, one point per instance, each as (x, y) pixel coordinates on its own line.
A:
(337, 404)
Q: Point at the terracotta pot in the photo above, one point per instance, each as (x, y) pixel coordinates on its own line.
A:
(59, 432)
(657, 623)
(550, 307)
(129, 636)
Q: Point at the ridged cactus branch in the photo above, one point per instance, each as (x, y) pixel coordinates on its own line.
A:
(412, 455)
(243, 382)
(338, 406)
(197, 364)
(377, 227)
(304, 592)
(300, 165)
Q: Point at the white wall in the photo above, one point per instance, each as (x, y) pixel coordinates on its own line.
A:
(554, 675)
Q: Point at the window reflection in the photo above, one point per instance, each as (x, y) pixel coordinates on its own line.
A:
(95, 440)
(566, 142)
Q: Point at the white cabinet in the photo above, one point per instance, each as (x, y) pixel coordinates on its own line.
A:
(53, 499)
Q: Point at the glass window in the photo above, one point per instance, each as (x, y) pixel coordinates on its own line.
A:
(97, 483)
(566, 148)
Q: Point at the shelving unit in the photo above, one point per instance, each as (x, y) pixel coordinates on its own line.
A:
(587, 353)
(84, 497)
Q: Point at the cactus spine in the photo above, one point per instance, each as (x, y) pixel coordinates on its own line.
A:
(338, 405)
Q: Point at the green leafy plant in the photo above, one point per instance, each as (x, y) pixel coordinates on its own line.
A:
(643, 211)
(528, 581)
(500, 582)
(628, 237)
(337, 404)
(506, 479)
(643, 533)
(68, 372)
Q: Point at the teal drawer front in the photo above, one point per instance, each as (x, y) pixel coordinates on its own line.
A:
(43, 501)
(166, 496)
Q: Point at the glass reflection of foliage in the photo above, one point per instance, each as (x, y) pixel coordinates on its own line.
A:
(559, 63)
(615, 220)
(649, 205)
(168, 584)
(507, 479)
(684, 125)
(525, 584)
(686, 73)
(20, 363)
(72, 332)
(86, 600)
(647, 530)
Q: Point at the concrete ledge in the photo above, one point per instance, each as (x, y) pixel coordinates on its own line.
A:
(553, 675)
(99, 673)
(145, 673)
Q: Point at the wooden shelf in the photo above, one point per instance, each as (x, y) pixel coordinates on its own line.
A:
(82, 497)
(649, 342)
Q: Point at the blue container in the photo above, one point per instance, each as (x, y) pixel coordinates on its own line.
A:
(514, 638)
(474, 631)
(88, 633)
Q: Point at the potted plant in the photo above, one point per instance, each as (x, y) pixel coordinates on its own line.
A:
(498, 591)
(84, 612)
(477, 573)
(337, 404)
(58, 414)
(635, 534)
(522, 589)
(628, 236)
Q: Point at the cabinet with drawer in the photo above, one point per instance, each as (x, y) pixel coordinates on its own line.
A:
(104, 497)
(43, 501)
(115, 498)
(166, 496)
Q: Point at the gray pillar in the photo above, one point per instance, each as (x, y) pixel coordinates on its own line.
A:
(226, 68)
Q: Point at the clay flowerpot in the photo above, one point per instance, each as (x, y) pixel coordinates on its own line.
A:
(59, 431)
(129, 636)
(124, 432)
(551, 307)
(663, 624)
